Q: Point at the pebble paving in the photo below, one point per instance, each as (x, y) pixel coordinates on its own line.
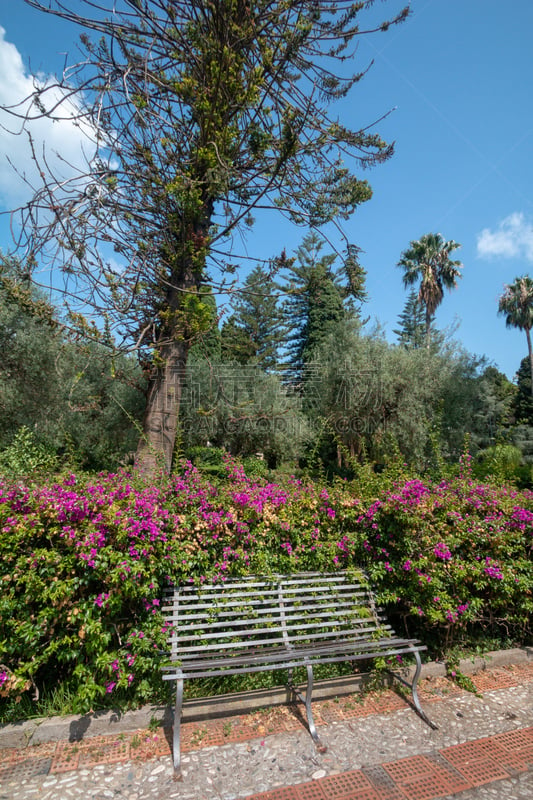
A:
(373, 749)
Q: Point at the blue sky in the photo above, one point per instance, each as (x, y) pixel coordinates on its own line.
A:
(457, 79)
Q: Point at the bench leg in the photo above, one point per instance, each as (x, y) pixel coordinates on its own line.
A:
(414, 690)
(176, 746)
(413, 687)
(308, 709)
(306, 700)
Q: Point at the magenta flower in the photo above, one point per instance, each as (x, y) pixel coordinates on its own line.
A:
(442, 552)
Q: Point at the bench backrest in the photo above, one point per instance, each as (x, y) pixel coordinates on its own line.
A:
(252, 613)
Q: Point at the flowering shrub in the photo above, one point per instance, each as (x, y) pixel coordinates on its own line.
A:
(84, 564)
(453, 554)
(83, 567)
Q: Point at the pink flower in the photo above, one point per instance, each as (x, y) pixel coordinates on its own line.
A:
(100, 599)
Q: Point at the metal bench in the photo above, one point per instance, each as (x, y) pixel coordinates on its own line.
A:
(257, 624)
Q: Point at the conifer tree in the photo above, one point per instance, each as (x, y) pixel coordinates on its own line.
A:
(314, 306)
(196, 113)
(259, 320)
(411, 332)
(235, 343)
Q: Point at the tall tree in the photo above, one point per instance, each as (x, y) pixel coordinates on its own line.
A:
(427, 260)
(356, 275)
(257, 314)
(196, 112)
(236, 344)
(411, 332)
(315, 303)
(516, 304)
(523, 398)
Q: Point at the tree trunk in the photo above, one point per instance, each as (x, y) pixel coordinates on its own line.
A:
(156, 445)
(530, 352)
(178, 327)
(428, 328)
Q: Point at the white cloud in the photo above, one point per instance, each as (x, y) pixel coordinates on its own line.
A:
(62, 137)
(513, 238)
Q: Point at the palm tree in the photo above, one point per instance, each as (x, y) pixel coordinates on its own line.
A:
(428, 260)
(516, 303)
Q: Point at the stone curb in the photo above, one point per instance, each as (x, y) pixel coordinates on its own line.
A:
(108, 723)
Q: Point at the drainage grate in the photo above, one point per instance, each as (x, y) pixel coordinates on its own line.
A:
(383, 782)
(23, 770)
(482, 771)
(408, 769)
(347, 784)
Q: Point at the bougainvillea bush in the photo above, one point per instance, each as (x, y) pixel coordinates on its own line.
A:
(84, 563)
(453, 558)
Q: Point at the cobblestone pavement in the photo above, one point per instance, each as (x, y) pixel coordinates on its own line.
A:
(375, 748)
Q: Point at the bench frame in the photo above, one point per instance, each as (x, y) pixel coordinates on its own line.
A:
(259, 624)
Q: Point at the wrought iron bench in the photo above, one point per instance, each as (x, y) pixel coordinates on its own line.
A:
(257, 624)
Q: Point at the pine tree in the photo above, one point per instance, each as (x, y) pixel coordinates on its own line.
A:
(258, 319)
(235, 343)
(196, 113)
(356, 275)
(314, 306)
(411, 332)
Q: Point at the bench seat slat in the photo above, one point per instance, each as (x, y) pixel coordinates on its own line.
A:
(266, 661)
(283, 652)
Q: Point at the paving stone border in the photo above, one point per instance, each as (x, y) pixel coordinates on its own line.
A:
(77, 728)
(376, 748)
(109, 723)
(422, 777)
